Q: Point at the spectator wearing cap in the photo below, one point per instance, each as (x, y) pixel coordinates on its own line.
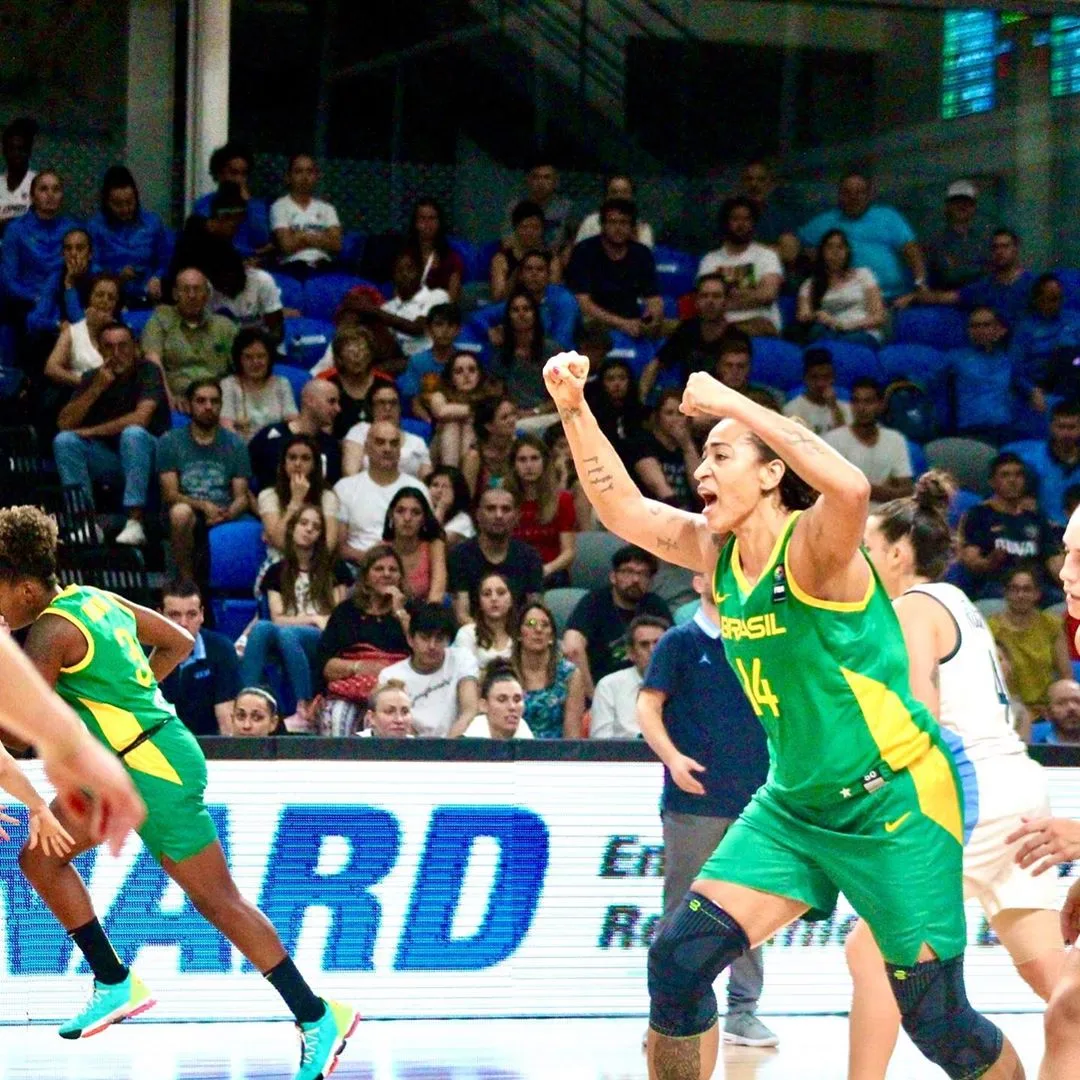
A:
(880, 236)
(307, 231)
(614, 706)
(595, 638)
(320, 404)
(129, 241)
(614, 277)
(109, 427)
(1006, 288)
(752, 272)
(186, 339)
(956, 256)
(441, 680)
(233, 164)
(33, 249)
(204, 686)
(17, 144)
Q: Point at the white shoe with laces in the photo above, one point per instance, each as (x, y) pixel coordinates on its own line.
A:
(132, 533)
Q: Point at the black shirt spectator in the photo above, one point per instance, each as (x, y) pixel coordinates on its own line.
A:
(349, 625)
(522, 568)
(209, 678)
(265, 451)
(123, 396)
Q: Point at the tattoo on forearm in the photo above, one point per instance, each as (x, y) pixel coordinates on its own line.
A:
(677, 1059)
(935, 676)
(600, 477)
(796, 436)
(665, 543)
(570, 414)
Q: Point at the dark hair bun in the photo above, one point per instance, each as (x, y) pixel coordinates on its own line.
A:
(934, 491)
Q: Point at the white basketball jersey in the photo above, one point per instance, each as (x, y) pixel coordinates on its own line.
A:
(974, 699)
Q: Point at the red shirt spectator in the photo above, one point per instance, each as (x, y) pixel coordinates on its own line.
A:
(545, 537)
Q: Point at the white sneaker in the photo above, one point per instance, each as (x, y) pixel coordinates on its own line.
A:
(132, 533)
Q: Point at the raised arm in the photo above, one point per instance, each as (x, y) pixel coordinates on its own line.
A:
(824, 550)
(671, 534)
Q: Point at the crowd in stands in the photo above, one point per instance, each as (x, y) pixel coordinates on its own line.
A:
(385, 527)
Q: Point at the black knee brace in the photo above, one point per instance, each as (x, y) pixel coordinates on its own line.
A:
(940, 1020)
(692, 948)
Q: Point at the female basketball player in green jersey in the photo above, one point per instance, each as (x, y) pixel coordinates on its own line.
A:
(862, 795)
(86, 643)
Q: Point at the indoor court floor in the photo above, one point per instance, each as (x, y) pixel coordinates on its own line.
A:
(811, 1048)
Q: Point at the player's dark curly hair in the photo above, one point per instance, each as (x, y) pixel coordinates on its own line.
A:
(795, 492)
(27, 545)
(923, 518)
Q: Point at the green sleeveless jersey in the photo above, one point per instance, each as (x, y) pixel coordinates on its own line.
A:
(827, 680)
(112, 688)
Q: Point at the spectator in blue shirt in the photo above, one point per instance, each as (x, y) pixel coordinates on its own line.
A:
(232, 164)
(1038, 337)
(558, 308)
(65, 294)
(1006, 289)
(982, 380)
(880, 237)
(129, 241)
(424, 368)
(1054, 465)
(1062, 724)
(32, 251)
(694, 715)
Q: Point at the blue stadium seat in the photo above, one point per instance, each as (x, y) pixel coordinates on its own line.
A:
(231, 615)
(776, 363)
(470, 256)
(1070, 287)
(137, 320)
(324, 292)
(417, 427)
(787, 305)
(236, 553)
(967, 459)
(306, 341)
(179, 419)
(676, 271)
(918, 457)
(961, 503)
(352, 248)
(298, 378)
(852, 362)
(484, 254)
(292, 292)
(919, 363)
(941, 327)
(636, 352)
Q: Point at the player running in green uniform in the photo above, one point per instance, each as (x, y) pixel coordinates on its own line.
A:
(86, 643)
(862, 794)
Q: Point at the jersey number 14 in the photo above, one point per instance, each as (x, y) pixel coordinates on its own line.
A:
(757, 688)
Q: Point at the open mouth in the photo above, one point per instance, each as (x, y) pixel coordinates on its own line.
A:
(707, 497)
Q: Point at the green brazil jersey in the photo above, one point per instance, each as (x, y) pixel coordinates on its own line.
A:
(829, 683)
(112, 688)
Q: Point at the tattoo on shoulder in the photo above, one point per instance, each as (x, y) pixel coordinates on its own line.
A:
(796, 435)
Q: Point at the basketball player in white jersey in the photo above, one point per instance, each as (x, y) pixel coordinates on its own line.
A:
(955, 673)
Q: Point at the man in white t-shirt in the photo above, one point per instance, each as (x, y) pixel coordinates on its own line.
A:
(17, 143)
(386, 405)
(365, 497)
(614, 705)
(880, 452)
(440, 680)
(817, 406)
(250, 297)
(307, 230)
(753, 272)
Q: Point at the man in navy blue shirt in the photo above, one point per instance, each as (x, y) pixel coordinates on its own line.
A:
(694, 714)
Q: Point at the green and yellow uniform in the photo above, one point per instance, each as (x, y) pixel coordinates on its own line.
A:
(862, 795)
(115, 693)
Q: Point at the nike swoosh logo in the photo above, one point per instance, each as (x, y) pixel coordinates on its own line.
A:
(721, 599)
(892, 826)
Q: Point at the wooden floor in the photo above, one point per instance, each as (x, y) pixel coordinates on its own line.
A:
(812, 1048)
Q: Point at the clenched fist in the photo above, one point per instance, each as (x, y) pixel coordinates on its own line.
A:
(706, 396)
(564, 376)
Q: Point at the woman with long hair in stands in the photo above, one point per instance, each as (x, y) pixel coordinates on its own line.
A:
(462, 384)
(299, 482)
(546, 516)
(666, 456)
(954, 672)
(451, 501)
(554, 687)
(487, 464)
(490, 636)
(520, 360)
(413, 531)
(301, 591)
(77, 349)
(440, 265)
